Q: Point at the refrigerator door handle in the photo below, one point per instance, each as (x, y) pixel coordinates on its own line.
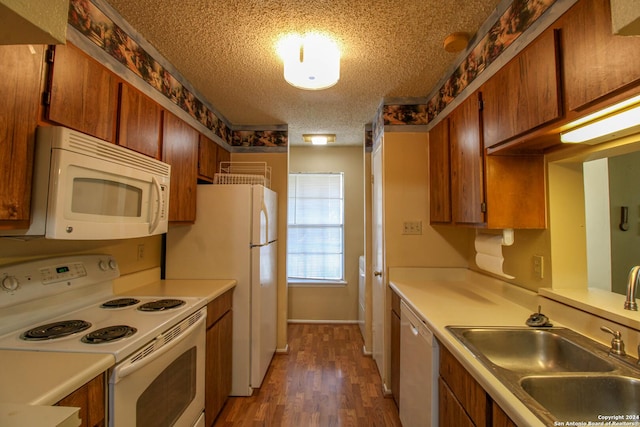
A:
(265, 212)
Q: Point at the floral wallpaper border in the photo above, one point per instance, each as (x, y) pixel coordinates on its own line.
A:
(514, 21)
(90, 21)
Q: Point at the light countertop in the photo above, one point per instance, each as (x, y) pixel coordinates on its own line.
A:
(43, 378)
(461, 297)
(205, 288)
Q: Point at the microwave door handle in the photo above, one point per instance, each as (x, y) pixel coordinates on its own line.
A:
(131, 368)
(156, 218)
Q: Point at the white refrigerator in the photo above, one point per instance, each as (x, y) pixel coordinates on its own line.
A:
(235, 237)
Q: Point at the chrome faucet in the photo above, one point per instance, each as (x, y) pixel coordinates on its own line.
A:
(632, 282)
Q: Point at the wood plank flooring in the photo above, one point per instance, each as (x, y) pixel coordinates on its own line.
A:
(323, 381)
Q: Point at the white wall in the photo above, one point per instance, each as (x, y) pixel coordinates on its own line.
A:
(333, 302)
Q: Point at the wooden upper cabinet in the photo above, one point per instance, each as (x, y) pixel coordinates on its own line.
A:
(467, 192)
(515, 191)
(223, 155)
(207, 159)
(524, 94)
(139, 122)
(439, 174)
(596, 62)
(20, 80)
(82, 93)
(180, 149)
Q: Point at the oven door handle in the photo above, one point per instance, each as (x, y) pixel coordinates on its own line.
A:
(128, 369)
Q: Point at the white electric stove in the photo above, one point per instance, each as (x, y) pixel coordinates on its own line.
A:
(66, 304)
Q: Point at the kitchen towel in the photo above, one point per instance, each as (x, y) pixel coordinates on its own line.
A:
(489, 252)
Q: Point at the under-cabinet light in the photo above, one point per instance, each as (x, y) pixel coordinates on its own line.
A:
(611, 123)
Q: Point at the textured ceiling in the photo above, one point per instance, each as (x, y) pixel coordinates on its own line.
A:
(226, 50)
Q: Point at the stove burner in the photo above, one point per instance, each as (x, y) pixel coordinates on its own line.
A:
(108, 334)
(161, 305)
(120, 302)
(55, 330)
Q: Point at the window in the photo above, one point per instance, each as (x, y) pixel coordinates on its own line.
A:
(315, 242)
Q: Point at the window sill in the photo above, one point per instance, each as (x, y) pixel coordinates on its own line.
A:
(316, 283)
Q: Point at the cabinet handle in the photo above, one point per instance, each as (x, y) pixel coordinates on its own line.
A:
(377, 273)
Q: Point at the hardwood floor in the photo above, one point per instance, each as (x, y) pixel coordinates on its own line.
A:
(324, 380)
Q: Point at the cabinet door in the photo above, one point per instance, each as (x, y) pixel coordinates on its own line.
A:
(499, 418)
(82, 93)
(439, 174)
(218, 366)
(450, 411)
(464, 388)
(139, 122)
(467, 193)
(515, 191)
(90, 399)
(180, 149)
(524, 94)
(207, 158)
(20, 79)
(223, 155)
(596, 62)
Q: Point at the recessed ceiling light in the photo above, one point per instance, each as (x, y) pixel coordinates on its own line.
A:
(319, 139)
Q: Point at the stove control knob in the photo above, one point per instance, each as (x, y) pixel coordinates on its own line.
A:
(10, 283)
(112, 264)
(103, 265)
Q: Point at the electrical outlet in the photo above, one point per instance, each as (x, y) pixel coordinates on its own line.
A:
(538, 266)
(140, 251)
(412, 227)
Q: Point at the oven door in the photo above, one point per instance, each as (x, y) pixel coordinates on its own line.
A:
(163, 383)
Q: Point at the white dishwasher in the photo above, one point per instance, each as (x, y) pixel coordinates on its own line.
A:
(418, 371)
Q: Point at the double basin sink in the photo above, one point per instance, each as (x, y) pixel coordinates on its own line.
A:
(560, 375)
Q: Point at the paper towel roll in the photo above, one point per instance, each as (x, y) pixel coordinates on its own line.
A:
(492, 264)
(489, 244)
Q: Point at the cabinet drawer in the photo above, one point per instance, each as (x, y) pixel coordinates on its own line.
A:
(218, 307)
(467, 391)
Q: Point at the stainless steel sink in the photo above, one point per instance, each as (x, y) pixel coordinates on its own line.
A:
(587, 398)
(558, 374)
(531, 350)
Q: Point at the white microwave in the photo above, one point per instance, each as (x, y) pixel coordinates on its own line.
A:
(88, 189)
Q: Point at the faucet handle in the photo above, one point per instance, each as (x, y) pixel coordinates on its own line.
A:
(617, 345)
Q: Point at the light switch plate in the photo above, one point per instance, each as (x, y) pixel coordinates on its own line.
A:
(412, 227)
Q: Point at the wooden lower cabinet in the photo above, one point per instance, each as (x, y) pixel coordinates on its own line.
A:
(462, 400)
(218, 355)
(395, 347)
(499, 418)
(90, 398)
(450, 411)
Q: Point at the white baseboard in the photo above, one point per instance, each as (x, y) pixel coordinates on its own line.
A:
(284, 350)
(366, 352)
(334, 322)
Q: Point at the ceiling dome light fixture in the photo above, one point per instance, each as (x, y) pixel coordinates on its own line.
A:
(311, 61)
